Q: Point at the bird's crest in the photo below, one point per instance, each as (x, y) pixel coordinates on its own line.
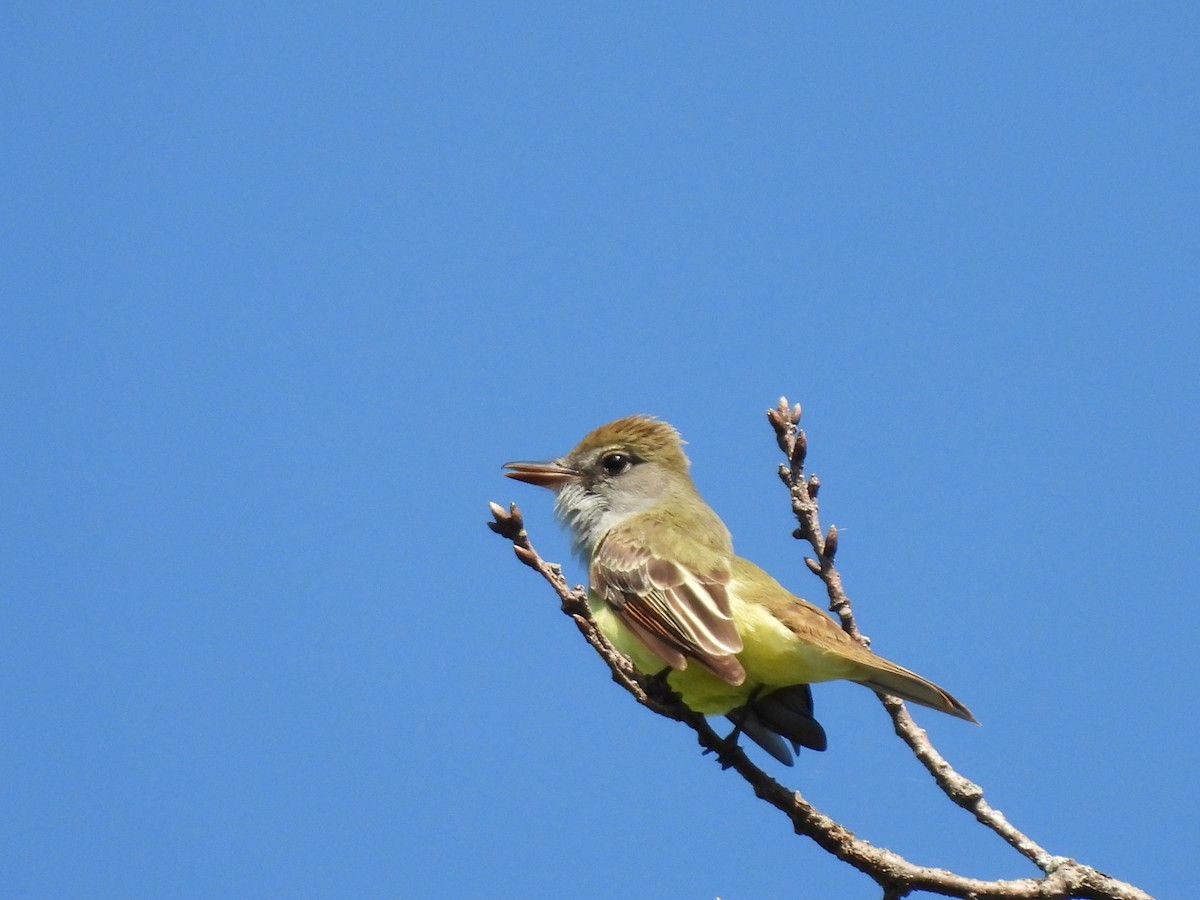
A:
(650, 439)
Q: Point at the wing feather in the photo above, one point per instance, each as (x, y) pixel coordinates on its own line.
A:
(812, 625)
(678, 607)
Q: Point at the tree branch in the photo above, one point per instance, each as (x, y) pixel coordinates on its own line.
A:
(897, 877)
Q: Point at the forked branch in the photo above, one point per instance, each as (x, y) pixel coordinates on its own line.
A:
(1061, 878)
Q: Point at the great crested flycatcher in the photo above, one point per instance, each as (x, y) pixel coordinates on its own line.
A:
(667, 589)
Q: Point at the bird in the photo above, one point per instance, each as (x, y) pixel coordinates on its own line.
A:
(667, 589)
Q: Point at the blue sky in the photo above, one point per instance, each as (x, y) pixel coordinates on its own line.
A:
(284, 285)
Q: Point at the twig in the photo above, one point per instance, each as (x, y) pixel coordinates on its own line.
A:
(785, 419)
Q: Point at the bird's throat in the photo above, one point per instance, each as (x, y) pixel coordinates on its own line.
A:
(588, 517)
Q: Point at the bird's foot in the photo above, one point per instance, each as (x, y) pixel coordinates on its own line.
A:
(729, 744)
(658, 689)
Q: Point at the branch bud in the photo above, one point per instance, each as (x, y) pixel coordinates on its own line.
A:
(831, 542)
(800, 451)
(813, 565)
(789, 414)
(506, 522)
(525, 555)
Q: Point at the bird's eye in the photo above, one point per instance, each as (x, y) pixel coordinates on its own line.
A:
(616, 463)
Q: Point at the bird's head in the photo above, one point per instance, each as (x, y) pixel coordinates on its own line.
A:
(618, 470)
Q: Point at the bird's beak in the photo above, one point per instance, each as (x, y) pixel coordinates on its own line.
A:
(552, 474)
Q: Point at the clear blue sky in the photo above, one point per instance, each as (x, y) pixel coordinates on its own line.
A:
(284, 285)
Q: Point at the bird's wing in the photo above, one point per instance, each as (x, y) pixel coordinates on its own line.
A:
(811, 625)
(678, 607)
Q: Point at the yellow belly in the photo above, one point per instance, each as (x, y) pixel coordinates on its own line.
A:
(772, 656)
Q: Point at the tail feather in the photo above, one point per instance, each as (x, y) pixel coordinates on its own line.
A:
(786, 713)
(889, 678)
(768, 740)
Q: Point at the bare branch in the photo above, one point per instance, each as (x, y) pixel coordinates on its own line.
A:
(959, 789)
(962, 791)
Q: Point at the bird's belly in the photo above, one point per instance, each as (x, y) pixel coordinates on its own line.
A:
(700, 689)
(622, 638)
(774, 656)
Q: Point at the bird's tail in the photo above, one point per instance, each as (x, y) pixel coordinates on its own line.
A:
(888, 678)
(786, 713)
